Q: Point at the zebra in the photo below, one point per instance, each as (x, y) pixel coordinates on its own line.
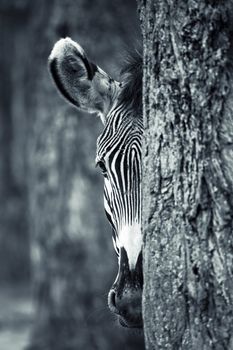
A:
(118, 155)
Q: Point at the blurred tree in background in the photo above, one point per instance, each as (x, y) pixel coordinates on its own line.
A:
(14, 240)
(48, 181)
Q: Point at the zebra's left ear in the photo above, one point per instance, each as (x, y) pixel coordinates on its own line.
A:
(80, 81)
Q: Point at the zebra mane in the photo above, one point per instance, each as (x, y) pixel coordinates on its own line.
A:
(131, 77)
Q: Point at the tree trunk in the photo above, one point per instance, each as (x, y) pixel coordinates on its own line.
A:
(73, 258)
(14, 238)
(188, 174)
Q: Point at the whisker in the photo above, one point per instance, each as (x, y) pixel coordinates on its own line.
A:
(98, 314)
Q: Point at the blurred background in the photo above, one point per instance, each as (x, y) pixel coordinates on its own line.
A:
(57, 261)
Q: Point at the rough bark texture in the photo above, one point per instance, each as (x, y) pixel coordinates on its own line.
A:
(188, 174)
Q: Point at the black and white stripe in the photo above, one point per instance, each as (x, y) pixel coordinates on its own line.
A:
(119, 156)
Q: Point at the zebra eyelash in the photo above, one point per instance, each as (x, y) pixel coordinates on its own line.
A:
(100, 164)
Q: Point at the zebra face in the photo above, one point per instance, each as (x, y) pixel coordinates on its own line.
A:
(89, 88)
(119, 158)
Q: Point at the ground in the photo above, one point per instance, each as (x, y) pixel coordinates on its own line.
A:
(16, 315)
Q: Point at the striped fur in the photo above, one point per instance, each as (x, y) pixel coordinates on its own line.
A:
(119, 155)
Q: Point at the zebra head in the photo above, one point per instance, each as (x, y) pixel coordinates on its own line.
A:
(118, 156)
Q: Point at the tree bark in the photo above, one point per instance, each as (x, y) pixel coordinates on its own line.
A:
(188, 174)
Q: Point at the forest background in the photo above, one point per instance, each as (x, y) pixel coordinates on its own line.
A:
(57, 262)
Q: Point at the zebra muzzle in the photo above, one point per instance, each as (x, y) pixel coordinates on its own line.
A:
(125, 296)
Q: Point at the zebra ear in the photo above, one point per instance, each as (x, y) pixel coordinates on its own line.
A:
(80, 81)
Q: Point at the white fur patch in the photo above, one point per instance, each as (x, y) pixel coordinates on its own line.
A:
(61, 47)
(130, 237)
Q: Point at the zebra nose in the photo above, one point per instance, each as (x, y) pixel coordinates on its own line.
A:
(128, 306)
(112, 301)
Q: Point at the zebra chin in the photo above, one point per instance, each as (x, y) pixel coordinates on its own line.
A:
(125, 296)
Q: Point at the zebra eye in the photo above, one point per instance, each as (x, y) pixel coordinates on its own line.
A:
(102, 166)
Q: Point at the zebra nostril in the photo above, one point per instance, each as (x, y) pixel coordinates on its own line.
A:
(112, 301)
(127, 306)
(113, 298)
